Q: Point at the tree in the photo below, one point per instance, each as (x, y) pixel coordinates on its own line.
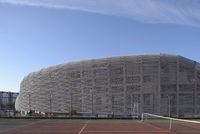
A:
(72, 112)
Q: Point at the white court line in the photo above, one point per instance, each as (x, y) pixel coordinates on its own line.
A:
(126, 131)
(21, 126)
(84, 126)
(158, 128)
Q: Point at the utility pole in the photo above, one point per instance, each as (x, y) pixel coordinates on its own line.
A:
(9, 103)
(131, 104)
(169, 110)
(92, 103)
(71, 101)
(29, 103)
(1, 103)
(50, 102)
(70, 112)
(112, 100)
(91, 92)
(169, 106)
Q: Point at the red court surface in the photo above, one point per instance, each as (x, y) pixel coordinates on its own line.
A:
(87, 127)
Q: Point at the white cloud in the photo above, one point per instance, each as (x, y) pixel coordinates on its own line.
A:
(186, 12)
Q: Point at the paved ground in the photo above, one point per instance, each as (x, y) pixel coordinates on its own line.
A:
(26, 126)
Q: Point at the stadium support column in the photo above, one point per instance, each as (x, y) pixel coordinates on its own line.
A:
(169, 105)
(9, 103)
(124, 85)
(113, 106)
(132, 105)
(29, 103)
(195, 89)
(159, 86)
(50, 102)
(177, 86)
(92, 94)
(109, 88)
(71, 103)
(92, 102)
(82, 89)
(1, 104)
(93, 90)
(141, 84)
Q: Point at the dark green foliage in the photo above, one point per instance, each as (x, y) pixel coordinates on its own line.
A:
(72, 112)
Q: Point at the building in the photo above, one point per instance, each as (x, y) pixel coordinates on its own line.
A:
(7, 103)
(120, 86)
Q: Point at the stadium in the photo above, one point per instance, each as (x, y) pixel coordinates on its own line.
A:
(123, 86)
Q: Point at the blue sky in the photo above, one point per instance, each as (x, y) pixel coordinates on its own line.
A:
(40, 33)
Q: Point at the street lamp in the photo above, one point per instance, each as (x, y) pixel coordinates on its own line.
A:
(70, 101)
(92, 101)
(169, 110)
(169, 105)
(112, 105)
(132, 105)
(29, 103)
(50, 102)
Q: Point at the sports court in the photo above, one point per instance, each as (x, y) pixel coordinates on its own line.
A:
(75, 126)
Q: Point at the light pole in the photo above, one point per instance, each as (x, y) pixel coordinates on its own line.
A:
(29, 103)
(92, 103)
(50, 101)
(112, 106)
(169, 110)
(132, 105)
(70, 112)
(169, 105)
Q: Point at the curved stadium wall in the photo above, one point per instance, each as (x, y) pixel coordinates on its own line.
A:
(118, 85)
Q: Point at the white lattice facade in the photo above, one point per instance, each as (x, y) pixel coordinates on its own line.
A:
(116, 85)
